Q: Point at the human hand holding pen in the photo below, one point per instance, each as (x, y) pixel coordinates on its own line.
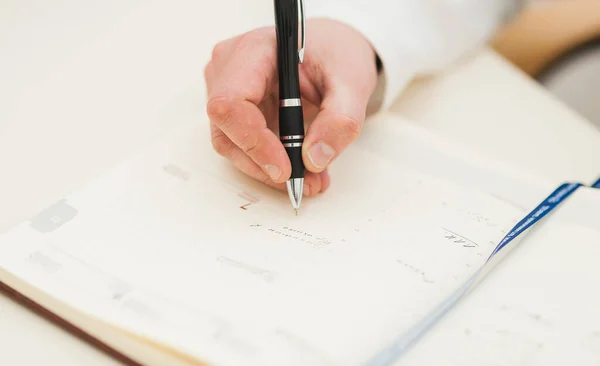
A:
(337, 78)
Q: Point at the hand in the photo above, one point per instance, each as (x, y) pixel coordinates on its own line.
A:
(337, 78)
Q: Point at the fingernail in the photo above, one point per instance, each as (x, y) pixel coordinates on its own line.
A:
(320, 154)
(306, 189)
(273, 171)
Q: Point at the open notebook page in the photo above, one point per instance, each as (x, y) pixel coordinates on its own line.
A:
(177, 246)
(408, 144)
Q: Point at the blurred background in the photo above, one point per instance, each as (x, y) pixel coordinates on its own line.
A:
(557, 42)
(80, 87)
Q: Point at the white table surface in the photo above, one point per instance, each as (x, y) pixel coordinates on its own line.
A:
(83, 83)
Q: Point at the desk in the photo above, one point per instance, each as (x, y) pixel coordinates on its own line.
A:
(85, 83)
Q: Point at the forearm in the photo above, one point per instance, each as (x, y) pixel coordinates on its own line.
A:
(417, 37)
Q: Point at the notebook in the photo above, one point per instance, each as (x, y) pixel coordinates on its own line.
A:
(174, 257)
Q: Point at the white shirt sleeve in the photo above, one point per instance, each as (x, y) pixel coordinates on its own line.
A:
(417, 37)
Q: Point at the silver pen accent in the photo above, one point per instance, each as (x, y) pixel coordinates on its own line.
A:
(295, 187)
(291, 137)
(292, 102)
(303, 38)
(292, 144)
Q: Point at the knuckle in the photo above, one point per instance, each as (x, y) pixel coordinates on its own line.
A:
(249, 144)
(207, 70)
(219, 110)
(260, 44)
(248, 39)
(218, 50)
(221, 144)
(208, 75)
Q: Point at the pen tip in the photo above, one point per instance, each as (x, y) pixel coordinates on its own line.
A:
(296, 211)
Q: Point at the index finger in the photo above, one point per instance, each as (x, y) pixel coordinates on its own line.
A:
(234, 96)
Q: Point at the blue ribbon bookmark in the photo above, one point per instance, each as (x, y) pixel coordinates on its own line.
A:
(409, 338)
(549, 204)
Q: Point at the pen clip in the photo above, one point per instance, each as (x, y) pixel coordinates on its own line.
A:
(303, 36)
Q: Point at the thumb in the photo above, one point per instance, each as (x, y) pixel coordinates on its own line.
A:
(336, 126)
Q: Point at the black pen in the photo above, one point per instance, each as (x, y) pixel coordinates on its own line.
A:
(288, 13)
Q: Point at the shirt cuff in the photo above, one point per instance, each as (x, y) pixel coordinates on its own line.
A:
(397, 72)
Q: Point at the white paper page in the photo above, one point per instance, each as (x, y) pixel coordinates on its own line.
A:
(537, 308)
(420, 149)
(179, 247)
